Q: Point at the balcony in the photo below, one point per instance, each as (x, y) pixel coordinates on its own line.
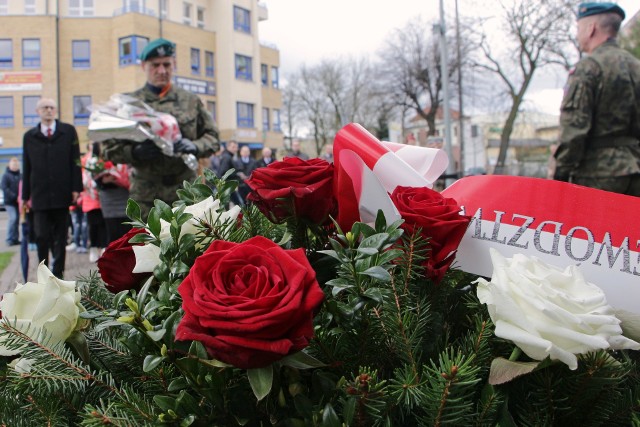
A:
(134, 9)
(263, 12)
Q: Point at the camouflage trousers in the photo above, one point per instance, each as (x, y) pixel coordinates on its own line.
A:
(626, 184)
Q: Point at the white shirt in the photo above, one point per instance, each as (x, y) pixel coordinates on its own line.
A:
(43, 128)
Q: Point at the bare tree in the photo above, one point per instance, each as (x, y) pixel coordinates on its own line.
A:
(535, 34)
(411, 69)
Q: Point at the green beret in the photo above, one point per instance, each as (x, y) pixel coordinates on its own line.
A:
(158, 48)
(588, 9)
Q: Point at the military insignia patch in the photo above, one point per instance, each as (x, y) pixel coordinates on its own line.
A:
(161, 51)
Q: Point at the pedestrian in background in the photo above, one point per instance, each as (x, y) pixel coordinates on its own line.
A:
(52, 181)
(600, 112)
(153, 174)
(296, 151)
(10, 187)
(244, 165)
(92, 207)
(328, 153)
(227, 159)
(79, 233)
(267, 158)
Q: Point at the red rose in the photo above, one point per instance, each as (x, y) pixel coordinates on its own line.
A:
(440, 221)
(294, 188)
(117, 262)
(249, 303)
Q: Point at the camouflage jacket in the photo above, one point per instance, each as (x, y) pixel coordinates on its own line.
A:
(600, 116)
(160, 178)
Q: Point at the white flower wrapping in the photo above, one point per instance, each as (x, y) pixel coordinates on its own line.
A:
(49, 308)
(148, 255)
(547, 311)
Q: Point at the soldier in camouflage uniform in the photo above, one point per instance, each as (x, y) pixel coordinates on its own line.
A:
(600, 112)
(154, 175)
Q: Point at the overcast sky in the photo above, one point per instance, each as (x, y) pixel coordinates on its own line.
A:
(307, 31)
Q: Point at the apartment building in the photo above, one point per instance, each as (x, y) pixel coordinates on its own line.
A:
(80, 52)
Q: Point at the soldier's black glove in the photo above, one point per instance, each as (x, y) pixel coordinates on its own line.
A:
(145, 151)
(559, 176)
(185, 146)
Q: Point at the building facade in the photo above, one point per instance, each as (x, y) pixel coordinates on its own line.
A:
(80, 52)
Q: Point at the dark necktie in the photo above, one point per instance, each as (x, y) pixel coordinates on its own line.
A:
(48, 132)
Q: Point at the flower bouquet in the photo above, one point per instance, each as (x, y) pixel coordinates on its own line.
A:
(277, 314)
(125, 117)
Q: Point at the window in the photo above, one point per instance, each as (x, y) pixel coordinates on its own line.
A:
(186, 13)
(208, 63)
(264, 74)
(276, 120)
(200, 17)
(163, 9)
(6, 111)
(81, 110)
(195, 61)
(81, 51)
(30, 53)
(211, 108)
(275, 77)
(241, 20)
(4, 7)
(265, 119)
(80, 7)
(243, 68)
(133, 6)
(6, 53)
(130, 48)
(245, 115)
(474, 131)
(29, 7)
(29, 115)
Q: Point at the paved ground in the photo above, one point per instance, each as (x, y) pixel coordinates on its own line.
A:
(76, 264)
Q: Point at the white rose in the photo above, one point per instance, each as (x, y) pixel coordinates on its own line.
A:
(547, 311)
(50, 307)
(148, 255)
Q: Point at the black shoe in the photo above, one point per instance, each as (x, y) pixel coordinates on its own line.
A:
(13, 243)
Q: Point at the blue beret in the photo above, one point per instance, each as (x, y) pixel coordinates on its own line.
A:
(158, 48)
(588, 9)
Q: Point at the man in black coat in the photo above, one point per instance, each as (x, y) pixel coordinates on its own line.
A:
(10, 186)
(227, 159)
(52, 181)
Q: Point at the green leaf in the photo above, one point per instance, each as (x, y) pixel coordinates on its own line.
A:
(164, 210)
(108, 324)
(503, 370)
(261, 380)
(349, 410)
(367, 251)
(151, 362)
(142, 295)
(375, 241)
(178, 384)
(375, 294)
(156, 335)
(165, 403)
(381, 221)
(78, 341)
(153, 221)
(133, 210)
(301, 360)
(329, 417)
(198, 350)
(377, 272)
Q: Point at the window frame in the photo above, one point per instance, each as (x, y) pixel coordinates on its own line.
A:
(163, 9)
(209, 66)
(276, 125)
(4, 7)
(246, 75)
(78, 63)
(30, 117)
(186, 17)
(245, 121)
(195, 65)
(81, 9)
(200, 22)
(266, 119)
(7, 121)
(81, 119)
(7, 62)
(133, 57)
(31, 62)
(264, 75)
(241, 19)
(275, 77)
(30, 9)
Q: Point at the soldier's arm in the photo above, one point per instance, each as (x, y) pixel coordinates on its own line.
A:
(576, 114)
(117, 151)
(208, 141)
